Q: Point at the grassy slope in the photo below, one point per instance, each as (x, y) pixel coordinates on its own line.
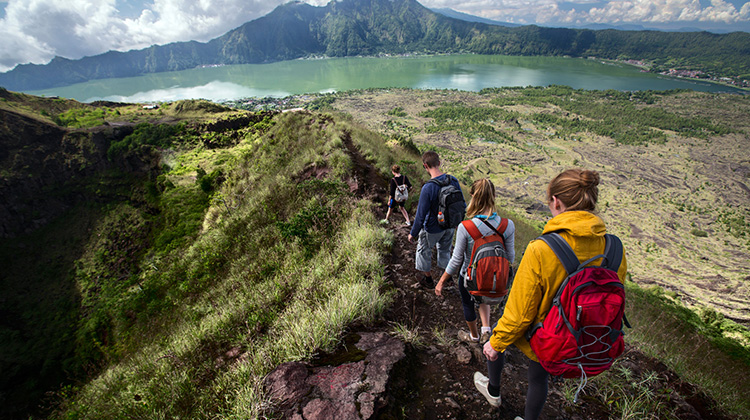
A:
(282, 265)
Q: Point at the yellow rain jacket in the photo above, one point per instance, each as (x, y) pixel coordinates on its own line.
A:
(540, 274)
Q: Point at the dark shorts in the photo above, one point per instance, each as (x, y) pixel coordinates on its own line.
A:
(392, 203)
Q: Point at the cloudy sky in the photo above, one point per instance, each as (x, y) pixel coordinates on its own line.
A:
(34, 31)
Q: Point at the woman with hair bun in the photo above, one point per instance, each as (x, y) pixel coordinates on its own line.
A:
(572, 197)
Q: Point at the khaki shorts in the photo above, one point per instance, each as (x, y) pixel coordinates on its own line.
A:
(443, 241)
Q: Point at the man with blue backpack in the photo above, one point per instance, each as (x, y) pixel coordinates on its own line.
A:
(440, 210)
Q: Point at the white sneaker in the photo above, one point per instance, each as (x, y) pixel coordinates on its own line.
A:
(518, 418)
(467, 338)
(481, 382)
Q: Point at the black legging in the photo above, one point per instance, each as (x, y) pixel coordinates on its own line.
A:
(467, 302)
(536, 395)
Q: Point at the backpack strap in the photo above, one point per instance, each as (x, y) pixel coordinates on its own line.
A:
(472, 229)
(446, 181)
(500, 227)
(476, 234)
(612, 252)
(563, 251)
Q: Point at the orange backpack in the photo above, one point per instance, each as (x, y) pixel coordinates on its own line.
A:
(489, 267)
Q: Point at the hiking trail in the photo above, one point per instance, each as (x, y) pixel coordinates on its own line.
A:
(428, 377)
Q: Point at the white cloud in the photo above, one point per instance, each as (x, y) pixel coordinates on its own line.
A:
(613, 11)
(34, 31)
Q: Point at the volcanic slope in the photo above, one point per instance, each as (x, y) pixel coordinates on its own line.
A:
(675, 169)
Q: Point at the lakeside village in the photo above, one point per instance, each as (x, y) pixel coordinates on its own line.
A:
(697, 74)
(288, 103)
(689, 74)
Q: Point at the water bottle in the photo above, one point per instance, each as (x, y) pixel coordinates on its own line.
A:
(441, 218)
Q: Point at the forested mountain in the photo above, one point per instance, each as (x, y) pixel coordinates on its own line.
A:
(369, 27)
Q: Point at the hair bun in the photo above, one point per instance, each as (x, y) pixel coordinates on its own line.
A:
(589, 179)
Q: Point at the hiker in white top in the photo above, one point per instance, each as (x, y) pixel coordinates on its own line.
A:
(397, 181)
(481, 207)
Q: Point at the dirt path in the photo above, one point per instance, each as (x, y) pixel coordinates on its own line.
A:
(435, 381)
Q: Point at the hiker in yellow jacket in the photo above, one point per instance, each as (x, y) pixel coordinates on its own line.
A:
(572, 197)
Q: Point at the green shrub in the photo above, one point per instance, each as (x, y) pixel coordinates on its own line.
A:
(84, 117)
(322, 103)
(397, 112)
(145, 134)
(209, 182)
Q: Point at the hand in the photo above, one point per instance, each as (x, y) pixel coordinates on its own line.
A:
(411, 238)
(439, 288)
(489, 352)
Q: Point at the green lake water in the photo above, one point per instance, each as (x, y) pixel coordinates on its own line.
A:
(462, 72)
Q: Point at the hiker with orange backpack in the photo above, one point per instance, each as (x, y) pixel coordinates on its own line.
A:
(572, 197)
(483, 223)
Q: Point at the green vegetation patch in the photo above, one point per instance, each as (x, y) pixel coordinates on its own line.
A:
(145, 134)
(85, 117)
(397, 111)
(736, 223)
(474, 123)
(627, 117)
(705, 349)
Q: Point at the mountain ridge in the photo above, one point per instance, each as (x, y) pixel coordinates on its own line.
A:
(370, 27)
(244, 241)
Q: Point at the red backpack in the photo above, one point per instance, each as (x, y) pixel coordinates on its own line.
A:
(582, 333)
(489, 268)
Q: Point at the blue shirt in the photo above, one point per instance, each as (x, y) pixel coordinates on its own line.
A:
(426, 217)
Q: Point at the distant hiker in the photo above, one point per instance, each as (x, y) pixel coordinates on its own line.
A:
(426, 226)
(485, 221)
(400, 187)
(572, 197)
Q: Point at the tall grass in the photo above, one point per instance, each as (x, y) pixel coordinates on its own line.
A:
(673, 334)
(277, 275)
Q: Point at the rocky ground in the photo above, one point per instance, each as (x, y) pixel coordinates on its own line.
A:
(412, 366)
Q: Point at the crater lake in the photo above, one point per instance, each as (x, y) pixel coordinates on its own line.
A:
(462, 72)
